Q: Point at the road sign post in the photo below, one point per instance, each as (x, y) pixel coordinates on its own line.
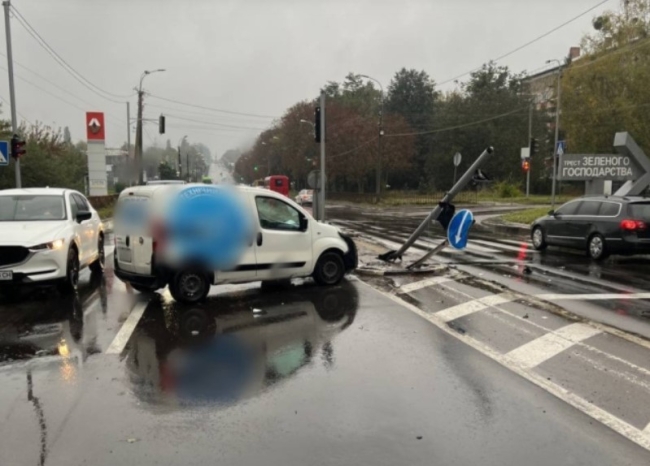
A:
(446, 200)
(457, 159)
(12, 93)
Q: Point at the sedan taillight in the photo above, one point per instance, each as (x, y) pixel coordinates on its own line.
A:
(632, 225)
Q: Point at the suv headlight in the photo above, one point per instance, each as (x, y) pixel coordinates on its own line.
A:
(53, 245)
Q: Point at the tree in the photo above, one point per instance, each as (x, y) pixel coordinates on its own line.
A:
(606, 90)
(166, 171)
(66, 135)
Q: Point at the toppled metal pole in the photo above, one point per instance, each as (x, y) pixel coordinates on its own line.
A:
(458, 187)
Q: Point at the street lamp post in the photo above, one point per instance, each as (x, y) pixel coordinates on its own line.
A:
(138, 131)
(179, 165)
(557, 128)
(381, 133)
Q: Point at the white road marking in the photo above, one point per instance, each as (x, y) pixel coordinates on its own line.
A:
(469, 307)
(628, 431)
(592, 296)
(122, 337)
(542, 349)
(410, 287)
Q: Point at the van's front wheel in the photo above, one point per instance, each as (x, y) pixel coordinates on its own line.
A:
(329, 269)
(190, 286)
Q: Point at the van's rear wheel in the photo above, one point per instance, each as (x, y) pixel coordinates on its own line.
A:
(329, 269)
(190, 286)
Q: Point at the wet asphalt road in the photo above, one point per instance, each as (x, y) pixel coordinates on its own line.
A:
(302, 375)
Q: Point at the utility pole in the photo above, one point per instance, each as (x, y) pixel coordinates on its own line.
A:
(138, 137)
(138, 128)
(557, 129)
(321, 192)
(12, 93)
(530, 153)
(381, 133)
(128, 136)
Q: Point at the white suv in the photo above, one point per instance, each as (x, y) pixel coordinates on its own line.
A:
(286, 242)
(46, 236)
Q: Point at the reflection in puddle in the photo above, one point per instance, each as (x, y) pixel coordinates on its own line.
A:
(221, 352)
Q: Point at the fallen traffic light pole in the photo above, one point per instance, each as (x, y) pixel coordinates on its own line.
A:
(444, 206)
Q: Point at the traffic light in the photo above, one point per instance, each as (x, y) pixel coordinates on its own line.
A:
(17, 147)
(255, 168)
(161, 124)
(317, 124)
(534, 146)
(525, 165)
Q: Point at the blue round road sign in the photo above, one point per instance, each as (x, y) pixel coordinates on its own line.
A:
(458, 230)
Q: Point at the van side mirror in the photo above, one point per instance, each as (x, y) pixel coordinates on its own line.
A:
(304, 223)
(83, 215)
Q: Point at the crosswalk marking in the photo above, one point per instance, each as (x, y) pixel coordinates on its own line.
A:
(646, 431)
(410, 287)
(592, 296)
(542, 349)
(469, 307)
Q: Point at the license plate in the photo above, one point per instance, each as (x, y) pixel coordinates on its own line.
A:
(124, 254)
(6, 275)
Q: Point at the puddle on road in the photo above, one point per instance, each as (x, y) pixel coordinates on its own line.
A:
(222, 352)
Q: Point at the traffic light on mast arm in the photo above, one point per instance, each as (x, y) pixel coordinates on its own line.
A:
(161, 124)
(17, 147)
(317, 134)
(534, 146)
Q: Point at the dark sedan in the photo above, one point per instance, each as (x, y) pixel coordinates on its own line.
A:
(600, 225)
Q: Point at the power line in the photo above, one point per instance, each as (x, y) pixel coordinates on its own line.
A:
(19, 114)
(363, 144)
(458, 126)
(527, 43)
(214, 129)
(210, 123)
(64, 64)
(255, 115)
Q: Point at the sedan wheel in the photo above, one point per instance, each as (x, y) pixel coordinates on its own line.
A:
(538, 239)
(597, 248)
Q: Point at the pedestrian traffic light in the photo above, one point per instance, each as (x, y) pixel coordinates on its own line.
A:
(534, 146)
(161, 124)
(317, 124)
(255, 168)
(525, 165)
(17, 147)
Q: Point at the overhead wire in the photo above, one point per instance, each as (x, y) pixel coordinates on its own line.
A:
(530, 42)
(212, 109)
(63, 63)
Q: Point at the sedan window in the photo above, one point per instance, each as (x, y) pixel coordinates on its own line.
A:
(569, 208)
(588, 208)
(609, 209)
(640, 211)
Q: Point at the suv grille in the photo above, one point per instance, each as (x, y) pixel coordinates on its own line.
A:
(12, 254)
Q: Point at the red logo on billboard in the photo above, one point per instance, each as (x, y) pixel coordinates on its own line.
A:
(95, 126)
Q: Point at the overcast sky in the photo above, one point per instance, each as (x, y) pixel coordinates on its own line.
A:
(258, 56)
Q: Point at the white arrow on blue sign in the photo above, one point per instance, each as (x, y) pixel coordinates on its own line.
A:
(458, 230)
(4, 153)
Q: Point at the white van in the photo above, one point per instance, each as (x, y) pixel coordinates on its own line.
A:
(302, 247)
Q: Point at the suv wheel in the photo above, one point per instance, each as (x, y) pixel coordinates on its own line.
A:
(97, 267)
(190, 286)
(329, 269)
(597, 248)
(69, 284)
(537, 237)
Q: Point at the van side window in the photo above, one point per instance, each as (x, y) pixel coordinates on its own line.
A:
(609, 209)
(277, 215)
(588, 208)
(569, 208)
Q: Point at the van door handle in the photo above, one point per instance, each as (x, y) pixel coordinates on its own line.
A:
(259, 238)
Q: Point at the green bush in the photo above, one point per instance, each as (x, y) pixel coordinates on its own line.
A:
(119, 187)
(507, 190)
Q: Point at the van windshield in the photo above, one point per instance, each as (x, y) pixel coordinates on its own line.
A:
(31, 208)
